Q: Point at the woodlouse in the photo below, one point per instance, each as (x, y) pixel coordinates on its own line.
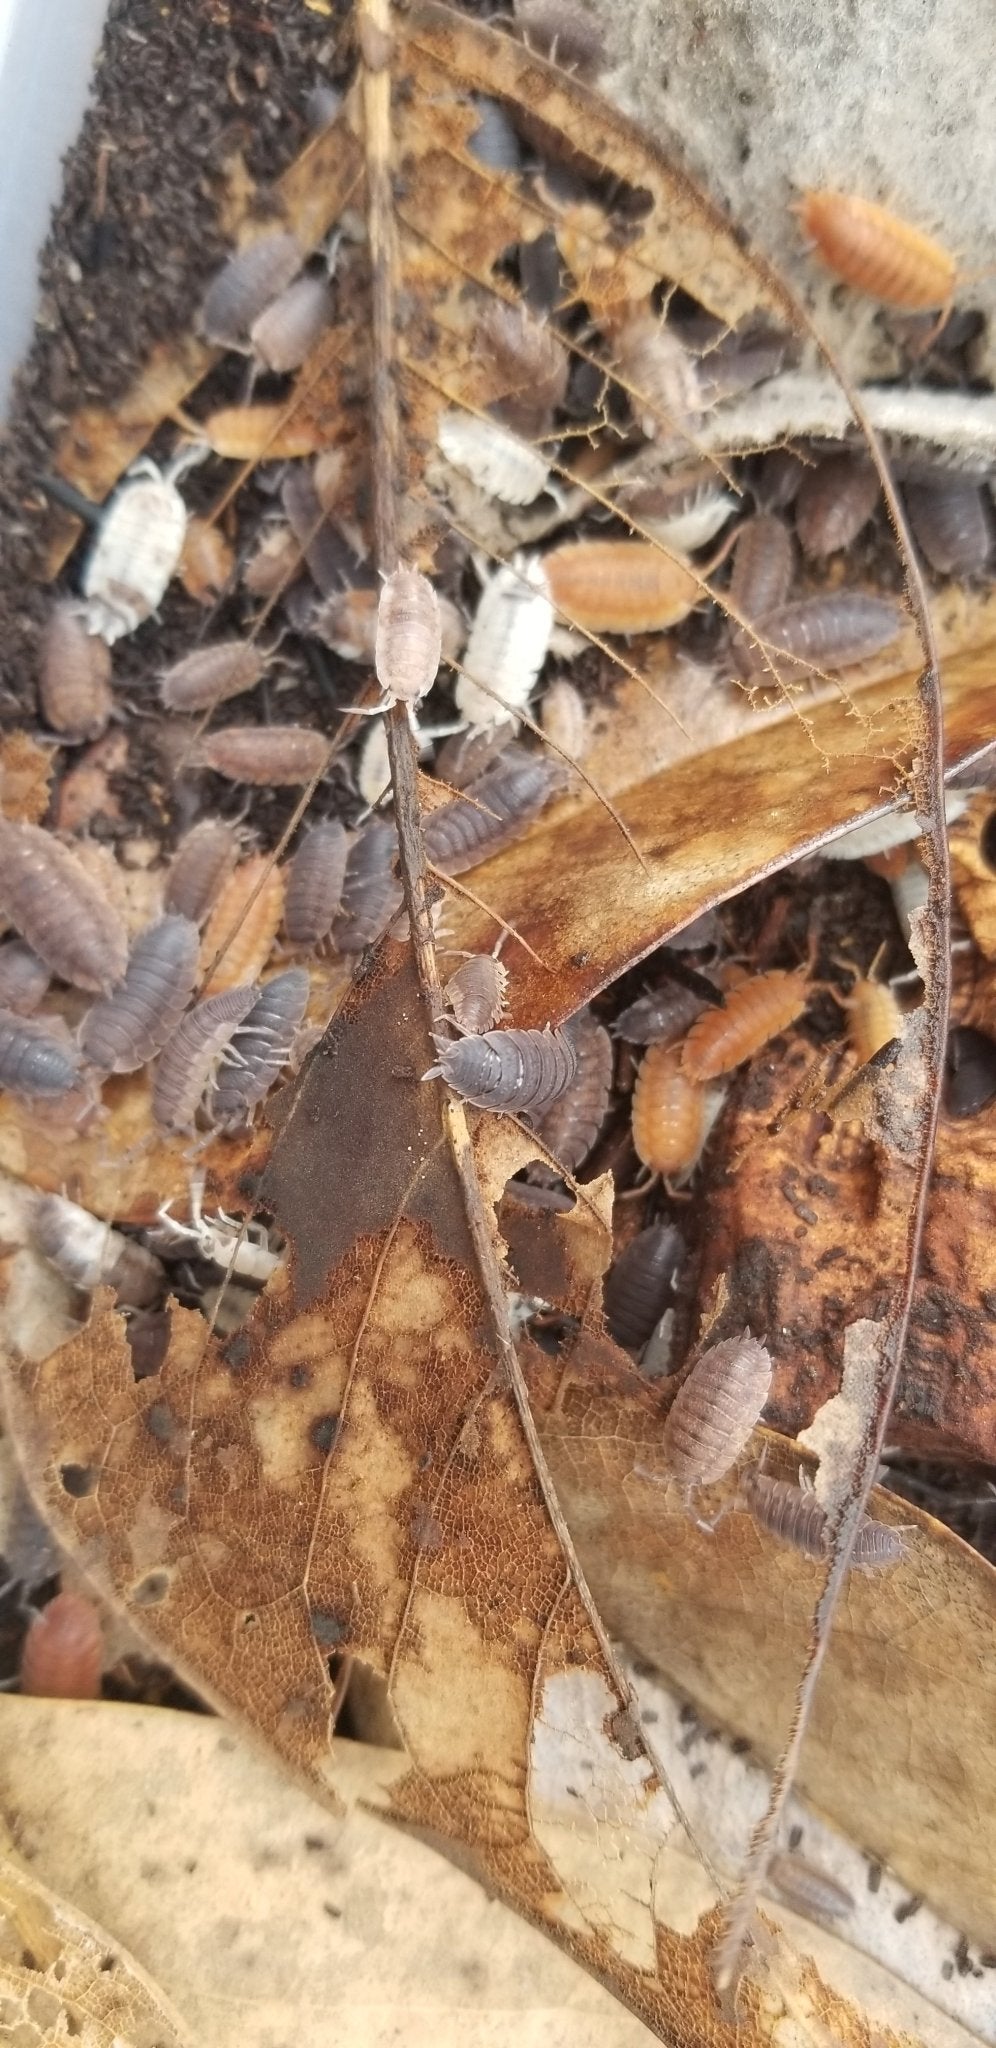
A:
(271, 756)
(408, 638)
(755, 1011)
(24, 979)
(819, 633)
(877, 252)
(715, 1410)
(564, 719)
(137, 547)
(494, 141)
(809, 1889)
(189, 1057)
(507, 644)
(682, 511)
(529, 361)
(38, 1059)
(202, 862)
(467, 754)
(372, 773)
(246, 284)
(794, 1516)
(211, 674)
(65, 917)
(661, 377)
(288, 328)
(314, 883)
(261, 1049)
(776, 479)
(207, 561)
(119, 1034)
(501, 464)
(951, 522)
(62, 1656)
(495, 810)
(835, 502)
(74, 677)
(873, 1016)
(970, 1071)
(89, 1253)
(329, 556)
(476, 992)
(243, 924)
(516, 1070)
(763, 565)
(569, 1129)
(619, 586)
(640, 1283)
(371, 891)
(660, 1017)
(670, 1115)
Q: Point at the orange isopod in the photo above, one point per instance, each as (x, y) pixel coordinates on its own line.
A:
(670, 1114)
(754, 1011)
(874, 1016)
(877, 252)
(245, 930)
(619, 586)
(63, 1653)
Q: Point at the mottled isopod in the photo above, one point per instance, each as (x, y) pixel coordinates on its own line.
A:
(619, 586)
(138, 544)
(763, 565)
(243, 924)
(877, 252)
(794, 1516)
(507, 645)
(500, 464)
(74, 678)
(670, 1115)
(261, 1048)
(38, 1059)
(371, 891)
(62, 1656)
(314, 883)
(755, 1011)
(819, 633)
(809, 1889)
(715, 1409)
(476, 992)
(569, 1129)
(89, 1254)
(835, 502)
(282, 335)
(246, 284)
(662, 379)
(203, 860)
(211, 674)
(24, 979)
(274, 756)
(951, 522)
(640, 1283)
(119, 1034)
(190, 1055)
(515, 1070)
(494, 811)
(52, 902)
(408, 638)
(661, 1017)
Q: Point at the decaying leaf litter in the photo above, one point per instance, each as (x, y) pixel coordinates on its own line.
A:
(655, 897)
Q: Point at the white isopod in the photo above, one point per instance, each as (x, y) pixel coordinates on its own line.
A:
(502, 465)
(138, 545)
(507, 645)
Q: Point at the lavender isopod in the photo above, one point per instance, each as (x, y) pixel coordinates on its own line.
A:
(495, 811)
(516, 1070)
(476, 992)
(793, 1515)
(200, 866)
(715, 1409)
(261, 1048)
(835, 502)
(74, 680)
(273, 756)
(52, 902)
(951, 522)
(288, 328)
(24, 979)
(190, 1055)
(371, 891)
(211, 674)
(408, 639)
(763, 565)
(315, 883)
(121, 1033)
(36, 1060)
(570, 1127)
(639, 1284)
(819, 632)
(246, 284)
(660, 1017)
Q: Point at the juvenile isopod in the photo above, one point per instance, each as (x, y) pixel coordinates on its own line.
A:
(776, 479)
(661, 377)
(62, 1656)
(661, 1017)
(24, 979)
(564, 719)
(874, 1017)
(819, 633)
(619, 586)
(809, 1889)
(570, 1127)
(493, 812)
(190, 1056)
(476, 992)
(835, 502)
(408, 638)
(715, 1410)
(763, 565)
(246, 284)
(38, 1059)
(683, 511)
(138, 544)
(65, 917)
(273, 564)
(207, 561)
(271, 756)
(951, 522)
(502, 465)
(563, 33)
(261, 1049)
(314, 883)
(371, 891)
(530, 363)
(202, 862)
(755, 1011)
(516, 1070)
(74, 679)
(119, 1034)
(640, 1283)
(243, 924)
(373, 765)
(877, 252)
(794, 1516)
(670, 1115)
(507, 645)
(467, 754)
(211, 674)
(91, 1254)
(288, 328)
(331, 560)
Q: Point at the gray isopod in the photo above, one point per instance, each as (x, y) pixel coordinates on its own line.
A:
(951, 521)
(476, 992)
(494, 812)
(371, 891)
(763, 565)
(190, 1055)
(818, 633)
(211, 674)
(809, 1889)
(715, 1410)
(284, 333)
(200, 866)
(36, 1060)
(119, 1034)
(315, 882)
(516, 1070)
(261, 1048)
(835, 502)
(570, 1127)
(639, 1285)
(54, 904)
(24, 979)
(246, 284)
(793, 1515)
